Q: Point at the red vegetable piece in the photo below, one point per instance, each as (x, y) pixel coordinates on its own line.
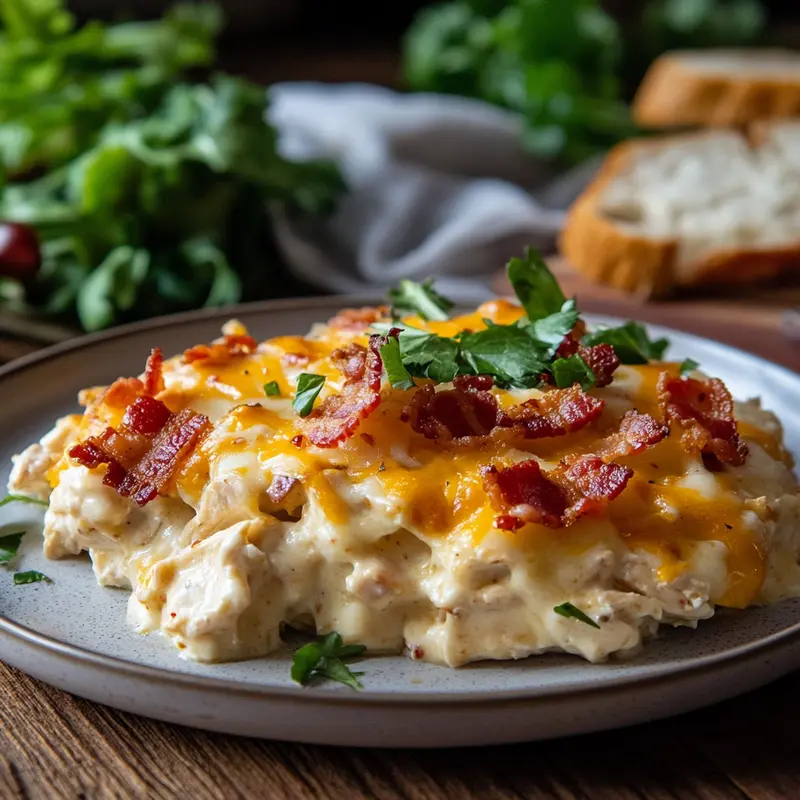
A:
(20, 256)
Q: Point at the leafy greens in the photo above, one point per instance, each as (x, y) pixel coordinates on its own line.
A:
(324, 658)
(521, 354)
(565, 67)
(147, 195)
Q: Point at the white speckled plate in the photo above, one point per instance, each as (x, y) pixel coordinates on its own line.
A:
(72, 633)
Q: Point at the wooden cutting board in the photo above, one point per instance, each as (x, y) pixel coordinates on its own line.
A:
(755, 319)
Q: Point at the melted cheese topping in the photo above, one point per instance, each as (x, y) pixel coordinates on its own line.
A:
(390, 538)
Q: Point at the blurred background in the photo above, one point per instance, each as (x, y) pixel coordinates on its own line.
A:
(147, 173)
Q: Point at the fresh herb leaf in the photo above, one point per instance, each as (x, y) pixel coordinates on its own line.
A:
(324, 658)
(420, 299)
(569, 610)
(309, 386)
(21, 498)
(553, 328)
(272, 389)
(393, 364)
(31, 576)
(569, 371)
(535, 286)
(630, 342)
(305, 662)
(336, 670)
(507, 352)
(688, 365)
(426, 355)
(9, 546)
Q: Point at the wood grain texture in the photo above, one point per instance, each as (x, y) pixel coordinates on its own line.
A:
(54, 745)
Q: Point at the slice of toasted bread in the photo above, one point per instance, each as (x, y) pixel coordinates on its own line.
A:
(692, 209)
(718, 88)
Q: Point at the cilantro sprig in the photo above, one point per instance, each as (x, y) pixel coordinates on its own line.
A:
(21, 498)
(324, 658)
(520, 355)
(309, 385)
(9, 546)
(420, 299)
(573, 612)
(31, 576)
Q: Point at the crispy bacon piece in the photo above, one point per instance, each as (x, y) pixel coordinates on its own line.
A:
(590, 483)
(233, 345)
(338, 416)
(354, 320)
(123, 392)
(704, 412)
(350, 361)
(279, 487)
(525, 494)
(602, 359)
(147, 449)
(468, 409)
(154, 373)
(557, 413)
(636, 433)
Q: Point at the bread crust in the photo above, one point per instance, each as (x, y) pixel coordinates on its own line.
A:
(605, 252)
(677, 94)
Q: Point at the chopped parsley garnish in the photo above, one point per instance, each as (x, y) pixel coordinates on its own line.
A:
(9, 546)
(309, 386)
(573, 612)
(393, 364)
(535, 286)
(420, 299)
(572, 370)
(519, 355)
(272, 389)
(688, 365)
(21, 498)
(31, 576)
(630, 342)
(324, 658)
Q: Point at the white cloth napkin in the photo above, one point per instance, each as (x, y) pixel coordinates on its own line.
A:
(439, 186)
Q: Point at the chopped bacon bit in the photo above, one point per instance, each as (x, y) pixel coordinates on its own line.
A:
(557, 413)
(146, 416)
(557, 499)
(280, 486)
(338, 416)
(704, 411)
(466, 410)
(231, 346)
(146, 450)
(153, 372)
(354, 320)
(591, 483)
(169, 449)
(368, 438)
(123, 392)
(524, 494)
(297, 441)
(478, 383)
(350, 361)
(601, 359)
(636, 433)
(570, 343)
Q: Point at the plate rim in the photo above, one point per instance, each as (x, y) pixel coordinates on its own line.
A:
(169, 677)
